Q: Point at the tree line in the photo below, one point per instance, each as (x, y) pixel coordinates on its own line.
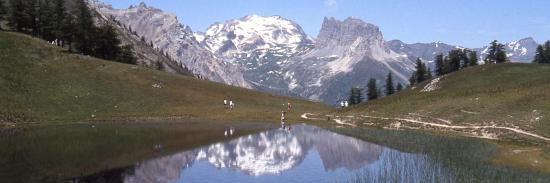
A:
(69, 27)
(373, 92)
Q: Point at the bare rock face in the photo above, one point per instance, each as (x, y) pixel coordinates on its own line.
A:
(176, 40)
(347, 54)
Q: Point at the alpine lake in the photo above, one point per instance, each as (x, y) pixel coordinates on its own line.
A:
(201, 151)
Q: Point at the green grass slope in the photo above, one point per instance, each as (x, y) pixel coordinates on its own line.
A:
(42, 83)
(509, 95)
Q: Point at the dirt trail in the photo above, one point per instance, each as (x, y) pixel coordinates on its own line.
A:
(516, 130)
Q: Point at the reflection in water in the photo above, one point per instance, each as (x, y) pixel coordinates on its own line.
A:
(266, 153)
(310, 154)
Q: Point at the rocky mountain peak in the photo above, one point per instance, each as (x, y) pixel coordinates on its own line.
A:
(347, 31)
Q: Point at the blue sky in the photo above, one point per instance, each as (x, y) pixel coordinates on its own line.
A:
(470, 23)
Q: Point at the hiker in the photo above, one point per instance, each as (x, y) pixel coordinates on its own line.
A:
(346, 103)
(289, 107)
(283, 113)
(225, 103)
(342, 104)
(231, 104)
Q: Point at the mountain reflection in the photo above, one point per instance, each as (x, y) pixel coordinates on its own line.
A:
(267, 153)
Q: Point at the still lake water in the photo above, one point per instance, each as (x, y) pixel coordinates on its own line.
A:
(307, 154)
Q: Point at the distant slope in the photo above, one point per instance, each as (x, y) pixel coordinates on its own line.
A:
(40, 82)
(505, 95)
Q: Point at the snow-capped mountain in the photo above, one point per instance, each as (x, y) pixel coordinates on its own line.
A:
(523, 50)
(258, 44)
(267, 153)
(177, 40)
(347, 53)
(274, 54)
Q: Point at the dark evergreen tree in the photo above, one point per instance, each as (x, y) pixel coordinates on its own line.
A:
(372, 90)
(16, 18)
(413, 79)
(540, 55)
(399, 87)
(496, 53)
(106, 43)
(46, 20)
(455, 58)
(472, 58)
(439, 65)
(429, 74)
(356, 96)
(60, 16)
(127, 55)
(547, 52)
(420, 71)
(2, 12)
(31, 12)
(389, 85)
(84, 28)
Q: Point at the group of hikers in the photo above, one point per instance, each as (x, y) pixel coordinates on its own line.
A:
(283, 116)
(228, 105)
(344, 104)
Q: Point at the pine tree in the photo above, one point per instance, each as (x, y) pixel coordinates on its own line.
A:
(472, 57)
(389, 85)
(127, 55)
(399, 87)
(547, 52)
(420, 71)
(413, 79)
(496, 53)
(2, 12)
(455, 58)
(439, 65)
(372, 91)
(60, 16)
(84, 28)
(540, 55)
(46, 20)
(16, 19)
(356, 96)
(429, 74)
(106, 43)
(31, 12)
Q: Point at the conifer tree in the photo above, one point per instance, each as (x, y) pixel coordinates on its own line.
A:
(390, 90)
(16, 19)
(472, 58)
(420, 71)
(439, 65)
(127, 55)
(84, 28)
(372, 90)
(496, 53)
(46, 20)
(106, 44)
(413, 79)
(547, 52)
(429, 74)
(60, 16)
(356, 96)
(455, 58)
(540, 55)
(2, 12)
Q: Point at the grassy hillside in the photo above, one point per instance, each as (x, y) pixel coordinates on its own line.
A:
(43, 83)
(507, 95)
